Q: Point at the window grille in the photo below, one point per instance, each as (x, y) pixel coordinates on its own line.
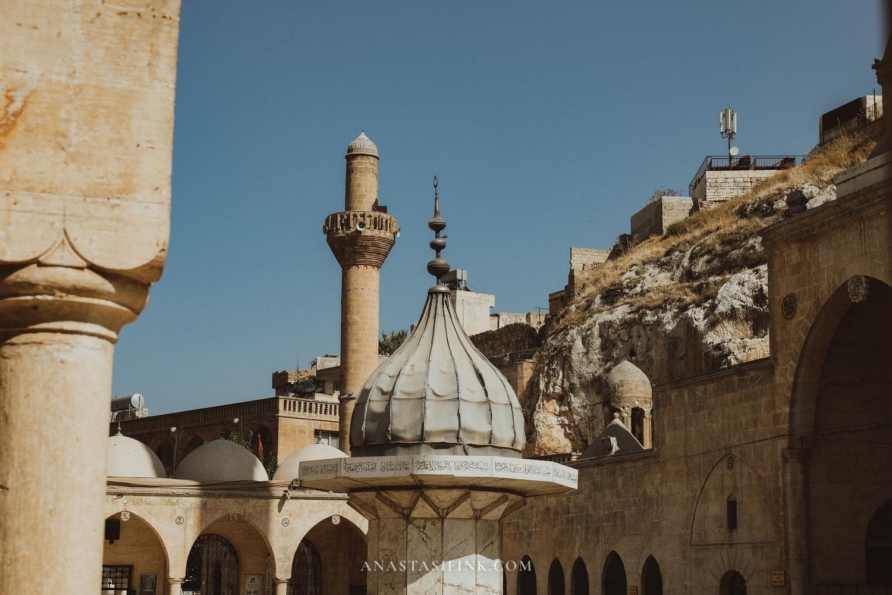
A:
(116, 579)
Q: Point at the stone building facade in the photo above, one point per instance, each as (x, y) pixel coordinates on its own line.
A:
(771, 476)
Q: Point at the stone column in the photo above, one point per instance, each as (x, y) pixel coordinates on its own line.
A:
(796, 518)
(176, 586)
(86, 138)
(361, 238)
(648, 429)
(281, 586)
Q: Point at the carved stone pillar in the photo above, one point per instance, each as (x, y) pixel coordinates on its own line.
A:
(86, 137)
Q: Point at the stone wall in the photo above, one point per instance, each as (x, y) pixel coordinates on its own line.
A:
(670, 503)
(657, 216)
(513, 338)
(718, 186)
(473, 310)
(582, 259)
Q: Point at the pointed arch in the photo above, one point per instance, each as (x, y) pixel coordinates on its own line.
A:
(732, 583)
(613, 578)
(526, 577)
(556, 585)
(651, 577)
(579, 578)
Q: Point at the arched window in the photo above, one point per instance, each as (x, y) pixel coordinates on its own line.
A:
(579, 578)
(262, 443)
(212, 567)
(165, 453)
(651, 578)
(194, 442)
(732, 584)
(878, 546)
(306, 571)
(556, 578)
(526, 577)
(614, 576)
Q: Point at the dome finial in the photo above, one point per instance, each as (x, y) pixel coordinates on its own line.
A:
(438, 266)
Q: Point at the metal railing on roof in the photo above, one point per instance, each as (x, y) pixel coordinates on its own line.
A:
(744, 163)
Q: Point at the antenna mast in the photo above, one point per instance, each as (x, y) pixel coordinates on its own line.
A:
(728, 129)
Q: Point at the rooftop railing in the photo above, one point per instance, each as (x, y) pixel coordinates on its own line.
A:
(744, 163)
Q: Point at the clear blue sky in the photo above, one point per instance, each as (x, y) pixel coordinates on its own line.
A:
(548, 125)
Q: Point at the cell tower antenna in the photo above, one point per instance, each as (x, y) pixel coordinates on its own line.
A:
(728, 129)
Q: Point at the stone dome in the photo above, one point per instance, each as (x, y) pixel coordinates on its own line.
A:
(219, 461)
(437, 395)
(131, 458)
(363, 145)
(628, 384)
(290, 467)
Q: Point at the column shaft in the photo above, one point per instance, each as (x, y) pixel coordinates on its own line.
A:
(54, 403)
(359, 338)
(796, 519)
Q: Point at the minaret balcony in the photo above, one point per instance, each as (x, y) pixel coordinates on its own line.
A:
(361, 238)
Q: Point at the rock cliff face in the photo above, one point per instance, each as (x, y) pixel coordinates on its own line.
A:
(693, 301)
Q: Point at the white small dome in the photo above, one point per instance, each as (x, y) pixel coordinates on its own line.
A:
(290, 467)
(131, 458)
(220, 461)
(363, 145)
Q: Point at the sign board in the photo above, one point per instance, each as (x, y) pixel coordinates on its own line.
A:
(633, 590)
(253, 584)
(148, 584)
(778, 578)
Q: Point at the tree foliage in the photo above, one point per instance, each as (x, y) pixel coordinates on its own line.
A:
(390, 343)
(661, 192)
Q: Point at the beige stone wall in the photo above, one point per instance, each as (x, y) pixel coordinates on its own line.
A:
(140, 547)
(670, 503)
(473, 310)
(719, 186)
(294, 434)
(657, 216)
(586, 259)
(509, 339)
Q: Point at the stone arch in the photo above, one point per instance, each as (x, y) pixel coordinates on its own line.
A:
(813, 353)
(526, 577)
(556, 583)
(306, 570)
(342, 549)
(165, 453)
(212, 566)
(133, 550)
(651, 577)
(842, 385)
(732, 478)
(192, 443)
(262, 439)
(613, 577)
(579, 578)
(245, 534)
(732, 583)
(308, 521)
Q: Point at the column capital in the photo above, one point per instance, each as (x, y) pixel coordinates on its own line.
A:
(70, 300)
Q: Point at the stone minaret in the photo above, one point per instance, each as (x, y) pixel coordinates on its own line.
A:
(361, 238)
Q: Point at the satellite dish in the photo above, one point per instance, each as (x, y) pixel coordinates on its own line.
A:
(734, 151)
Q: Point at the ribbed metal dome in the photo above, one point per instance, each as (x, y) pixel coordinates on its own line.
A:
(363, 145)
(437, 395)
